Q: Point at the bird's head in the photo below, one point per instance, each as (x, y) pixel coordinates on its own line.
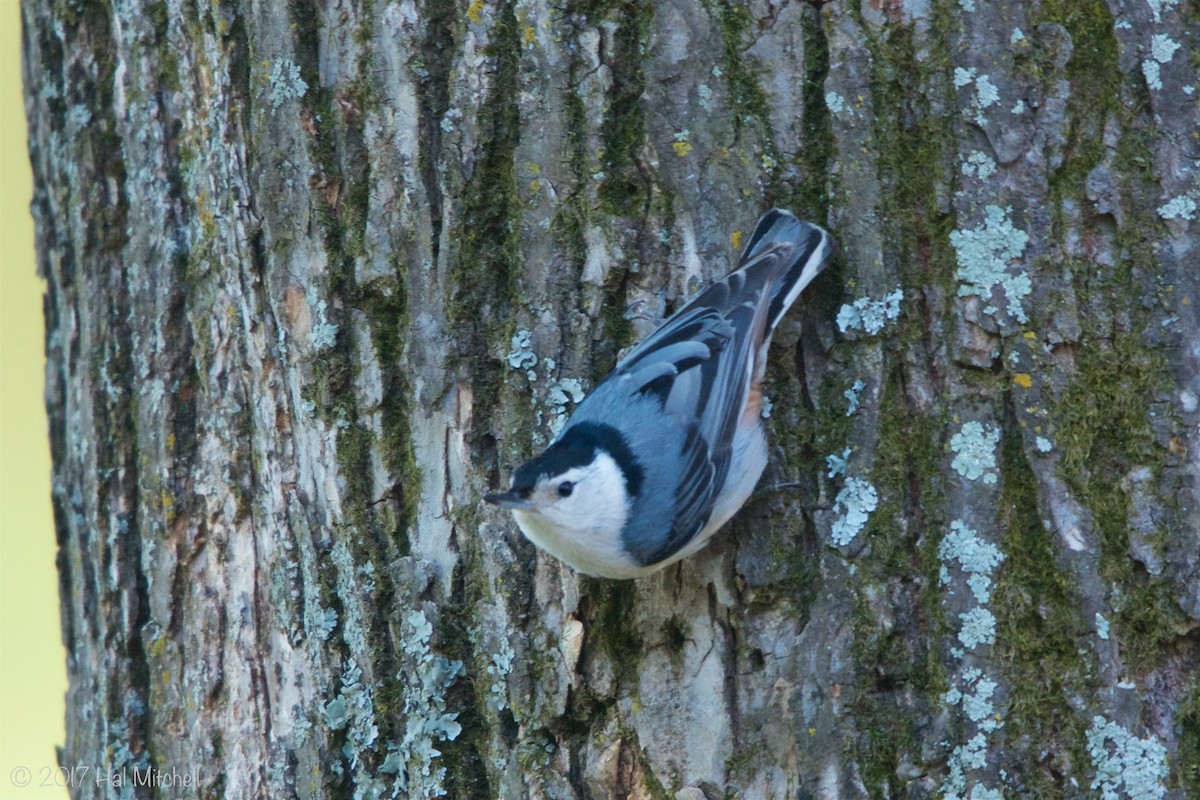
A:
(574, 498)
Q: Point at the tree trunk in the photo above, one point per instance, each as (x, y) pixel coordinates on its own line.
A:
(320, 274)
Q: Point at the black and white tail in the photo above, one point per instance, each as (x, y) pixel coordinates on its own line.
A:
(812, 249)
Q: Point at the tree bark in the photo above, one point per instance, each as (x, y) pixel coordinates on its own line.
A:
(322, 274)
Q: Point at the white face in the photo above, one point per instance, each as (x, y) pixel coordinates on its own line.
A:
(579, 517)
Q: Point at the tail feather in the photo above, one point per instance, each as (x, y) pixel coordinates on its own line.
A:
(811, 250)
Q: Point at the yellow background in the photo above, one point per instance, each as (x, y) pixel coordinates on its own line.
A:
(33, 676)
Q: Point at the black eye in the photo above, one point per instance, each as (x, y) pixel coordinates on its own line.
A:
(565, 488)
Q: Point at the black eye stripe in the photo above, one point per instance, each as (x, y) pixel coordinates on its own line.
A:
(578, 447)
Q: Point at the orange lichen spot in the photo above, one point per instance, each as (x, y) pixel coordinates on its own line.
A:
(1023, 379)
(682, 148)
(475, 11)
(529, 37)
(735, 239)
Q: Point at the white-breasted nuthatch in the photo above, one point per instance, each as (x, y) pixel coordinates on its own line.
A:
(670, 445)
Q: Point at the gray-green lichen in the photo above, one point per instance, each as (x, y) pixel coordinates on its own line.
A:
(985, 254)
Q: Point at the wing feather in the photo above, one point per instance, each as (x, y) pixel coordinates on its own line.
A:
(679, 365)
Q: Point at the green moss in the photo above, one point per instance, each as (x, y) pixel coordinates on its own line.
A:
(466, 773)
(750, 103)
(572, 214)
(919, 143)
(386, 306)
(892, 663)
(1103, 418)
(617, 329)
(903, 545)
(675, 635)
(907, 475)
(571, 220)
(431, 64)
(625, 189)
(613, 630)
(740, 761)
(1186, 765)
(815, 156)
(1104, 431)
(485, 268)
(166, 62)
(484, 271)
(890, 738)
(354, 461)
(650, 782)
(1096, 82)
(1037, 630)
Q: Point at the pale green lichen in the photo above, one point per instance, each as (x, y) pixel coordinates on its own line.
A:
(1163, 47)
(559, 394)
(869, 316)
(854, 504)
(977, 704)
(324, 333)
(426, 678)
(966, 757)
(1126, 766)
(1151, 69)
(767, 407)
(681, 144)
(978, 627)
(1157, 7)
(975, 446)
(499, 670)
(979, 165)
(325, 623)
(1181, 207)
(976, 557)
(984, 254)
(354, 709)
(837, 463)
(521, 355)
(851, 396)
(284, 83)
(963, 76)
(986, 93)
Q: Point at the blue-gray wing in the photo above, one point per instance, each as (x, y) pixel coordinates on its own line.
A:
(699, 367)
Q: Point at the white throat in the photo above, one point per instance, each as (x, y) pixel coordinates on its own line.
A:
(585, 529)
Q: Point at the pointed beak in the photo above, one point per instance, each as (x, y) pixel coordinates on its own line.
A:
(512, 500)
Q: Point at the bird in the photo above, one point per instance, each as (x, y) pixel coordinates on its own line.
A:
(669, 446)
